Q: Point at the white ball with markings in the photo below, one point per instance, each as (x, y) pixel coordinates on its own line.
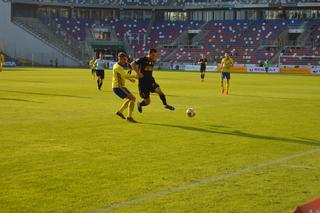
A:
(190, 112)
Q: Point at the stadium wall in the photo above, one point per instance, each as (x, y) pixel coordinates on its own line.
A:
(21, 44)
(252, 69)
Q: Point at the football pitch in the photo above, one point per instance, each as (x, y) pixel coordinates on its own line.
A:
(63, 149)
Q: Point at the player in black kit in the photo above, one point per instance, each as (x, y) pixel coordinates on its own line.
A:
(144, 68)
(203, 65)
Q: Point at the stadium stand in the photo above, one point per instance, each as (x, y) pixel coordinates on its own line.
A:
(250, 40)
(245, 39)
(172, 3)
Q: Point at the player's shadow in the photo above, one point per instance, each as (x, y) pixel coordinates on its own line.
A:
(26, 81)
(9, 69)
(238, 133)
(175, 96)
(19, 100)
(46, 94)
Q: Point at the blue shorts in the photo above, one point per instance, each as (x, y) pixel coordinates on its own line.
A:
(121, 92)
(225, 75)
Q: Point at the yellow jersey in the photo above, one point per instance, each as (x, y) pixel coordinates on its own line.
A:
(226, 64)
(119, 76)
(91, 63)
(1, 58)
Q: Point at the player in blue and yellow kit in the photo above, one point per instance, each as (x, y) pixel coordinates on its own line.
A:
(226, 63)
(1, 60)
(118, 87)
(92, 66)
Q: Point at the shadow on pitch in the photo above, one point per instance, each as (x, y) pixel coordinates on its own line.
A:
(46, 94)
(176, 96)
(25, 81)
(18, 99)
(268, 97)
(12, 69)
(238, 133)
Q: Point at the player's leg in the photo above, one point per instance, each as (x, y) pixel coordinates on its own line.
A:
(227, 86)
(102, 78)
(228, 83)
(1, 65)
(121, 94)
(163, 98)
(222, 83)
(144, 92)
(122, 108)
(222, 86)
(144, 102)
(98, 74)
(202, 75)
(132, 100)
(99, 83)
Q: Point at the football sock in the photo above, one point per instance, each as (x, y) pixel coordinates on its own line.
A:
(124, 106)
(130, 109)
(163, 99)
(142, 103)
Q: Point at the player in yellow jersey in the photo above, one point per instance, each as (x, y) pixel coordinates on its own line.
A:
(118, 87)
(93, 67)
(1, 60)
(226, 63)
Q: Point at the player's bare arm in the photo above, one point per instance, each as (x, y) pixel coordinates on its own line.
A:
(135, 67)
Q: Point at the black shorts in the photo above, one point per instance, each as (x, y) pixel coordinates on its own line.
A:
(202, 69)
(100, 73)
(146, 87)
(93, 71)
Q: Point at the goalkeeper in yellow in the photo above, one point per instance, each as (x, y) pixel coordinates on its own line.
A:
(226, 63)
(1, 60)
(118, 87)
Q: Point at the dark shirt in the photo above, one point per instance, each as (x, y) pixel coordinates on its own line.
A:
(203, 63)
(145, 67)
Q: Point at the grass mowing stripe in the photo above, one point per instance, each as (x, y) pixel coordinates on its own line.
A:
(155, 195)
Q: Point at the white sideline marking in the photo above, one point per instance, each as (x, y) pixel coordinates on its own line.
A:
(296, 166)
(154, 195)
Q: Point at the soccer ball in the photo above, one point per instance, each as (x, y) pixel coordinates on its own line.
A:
(190, 112)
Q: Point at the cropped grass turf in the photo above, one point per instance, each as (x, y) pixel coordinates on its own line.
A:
(64, 150)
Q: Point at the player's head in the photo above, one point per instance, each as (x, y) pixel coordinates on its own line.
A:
(122, 58)
(202, 56)
(101, 55)
(152, 55)
(93, 57)
(226, 55)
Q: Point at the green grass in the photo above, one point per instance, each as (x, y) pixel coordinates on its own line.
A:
(64, 150)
